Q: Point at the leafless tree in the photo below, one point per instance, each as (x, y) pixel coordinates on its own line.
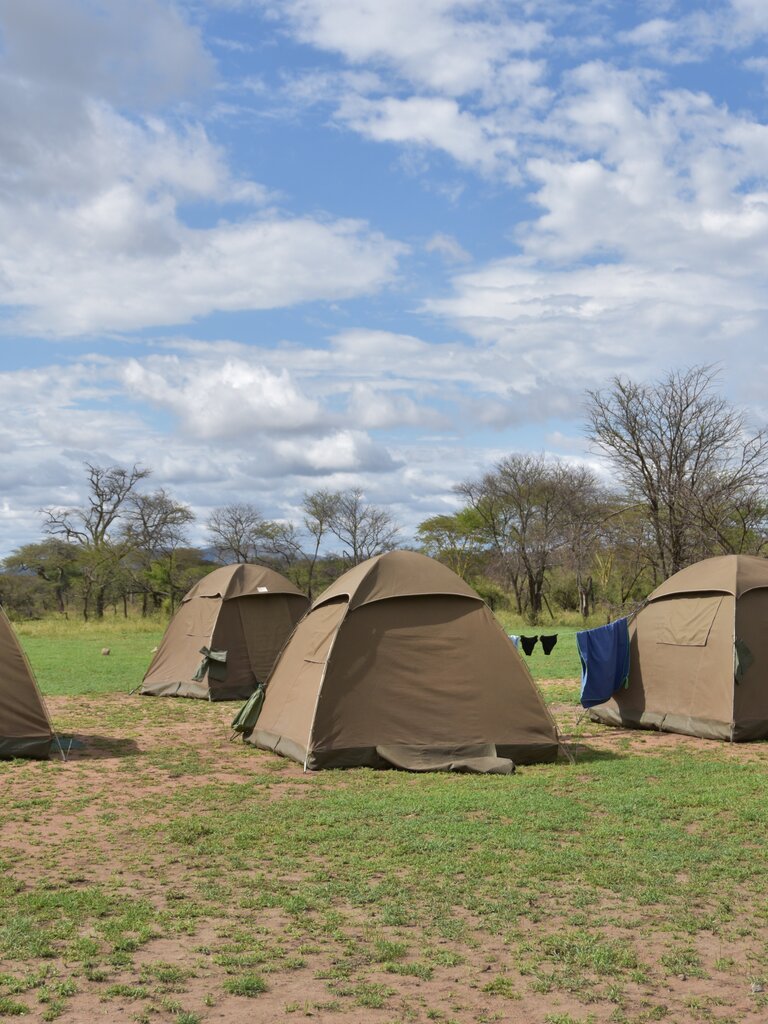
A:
(686, 454)
(534, 509)
(156, 522)
(319, 509)
(585, 506)
(238, 533)
(94, 528)
(154, 529)
(364, 530)
(109, 490)
(282, 549)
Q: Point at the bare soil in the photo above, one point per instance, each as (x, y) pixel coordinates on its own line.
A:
(87, 837)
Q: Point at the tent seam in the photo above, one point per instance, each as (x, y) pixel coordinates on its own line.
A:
(321, 684)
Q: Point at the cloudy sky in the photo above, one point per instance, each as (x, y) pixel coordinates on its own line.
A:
(264, 246)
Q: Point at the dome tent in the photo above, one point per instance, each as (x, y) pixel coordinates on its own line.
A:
(25, 728)
(400, 662)
(699, 654)
(226, 634)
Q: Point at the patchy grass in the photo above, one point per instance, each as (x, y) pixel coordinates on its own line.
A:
(246, 985)
(167, 875)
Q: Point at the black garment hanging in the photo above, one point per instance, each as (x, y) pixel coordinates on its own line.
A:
(548, 642)
(528, 643)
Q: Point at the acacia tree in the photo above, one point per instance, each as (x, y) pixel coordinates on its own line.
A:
(532, 509)
(460, 540)
(584, 510)
(319, 508)
(685, 453)
(239, 533)
(174, 576)
(624, 560)
(94, 528)
(154, 529)
(364, 530)
(53, 561)
(282, 549)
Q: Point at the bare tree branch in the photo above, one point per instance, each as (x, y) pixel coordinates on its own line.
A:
(686, 453)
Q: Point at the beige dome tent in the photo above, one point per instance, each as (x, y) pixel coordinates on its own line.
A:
(699, 654)
(226, 635)
(25, 728)
(401, 663)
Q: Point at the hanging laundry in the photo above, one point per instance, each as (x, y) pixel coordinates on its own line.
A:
(548, 642)
(514, 638)
(604, 654)
(528, 643)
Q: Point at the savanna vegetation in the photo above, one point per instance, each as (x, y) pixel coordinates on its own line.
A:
(163, 874)
(541, 538)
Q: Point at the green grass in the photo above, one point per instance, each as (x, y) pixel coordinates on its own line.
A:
(563, 660)
(661, 844)
(246, 985)
(66, 655)
(629, 874)
(12, 1008)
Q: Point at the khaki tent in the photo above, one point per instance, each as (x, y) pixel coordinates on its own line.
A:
(25, 728)
(699, 654)
(400, 662)
(226, 635)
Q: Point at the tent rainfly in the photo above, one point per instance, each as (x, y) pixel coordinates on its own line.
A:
(226, 635)
(699, 654)
(400, 662)
(25, 728)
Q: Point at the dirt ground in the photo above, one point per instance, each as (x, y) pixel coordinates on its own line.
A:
(72, 845)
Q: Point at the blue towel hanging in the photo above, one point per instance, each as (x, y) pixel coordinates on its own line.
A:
(604, 654)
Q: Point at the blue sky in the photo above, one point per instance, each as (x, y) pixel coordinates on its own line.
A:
(264, 247)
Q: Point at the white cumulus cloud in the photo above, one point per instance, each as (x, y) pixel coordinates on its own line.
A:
(94, 185)
(450, 46)
(432, 121)
(218, 401)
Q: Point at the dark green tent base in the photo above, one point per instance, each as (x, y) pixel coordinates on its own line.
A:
(278, 744)
(199, 690)
(529, 753)
(473, 759)
(26, 746)
(749, 731)
(631, 718)
(370, 757)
